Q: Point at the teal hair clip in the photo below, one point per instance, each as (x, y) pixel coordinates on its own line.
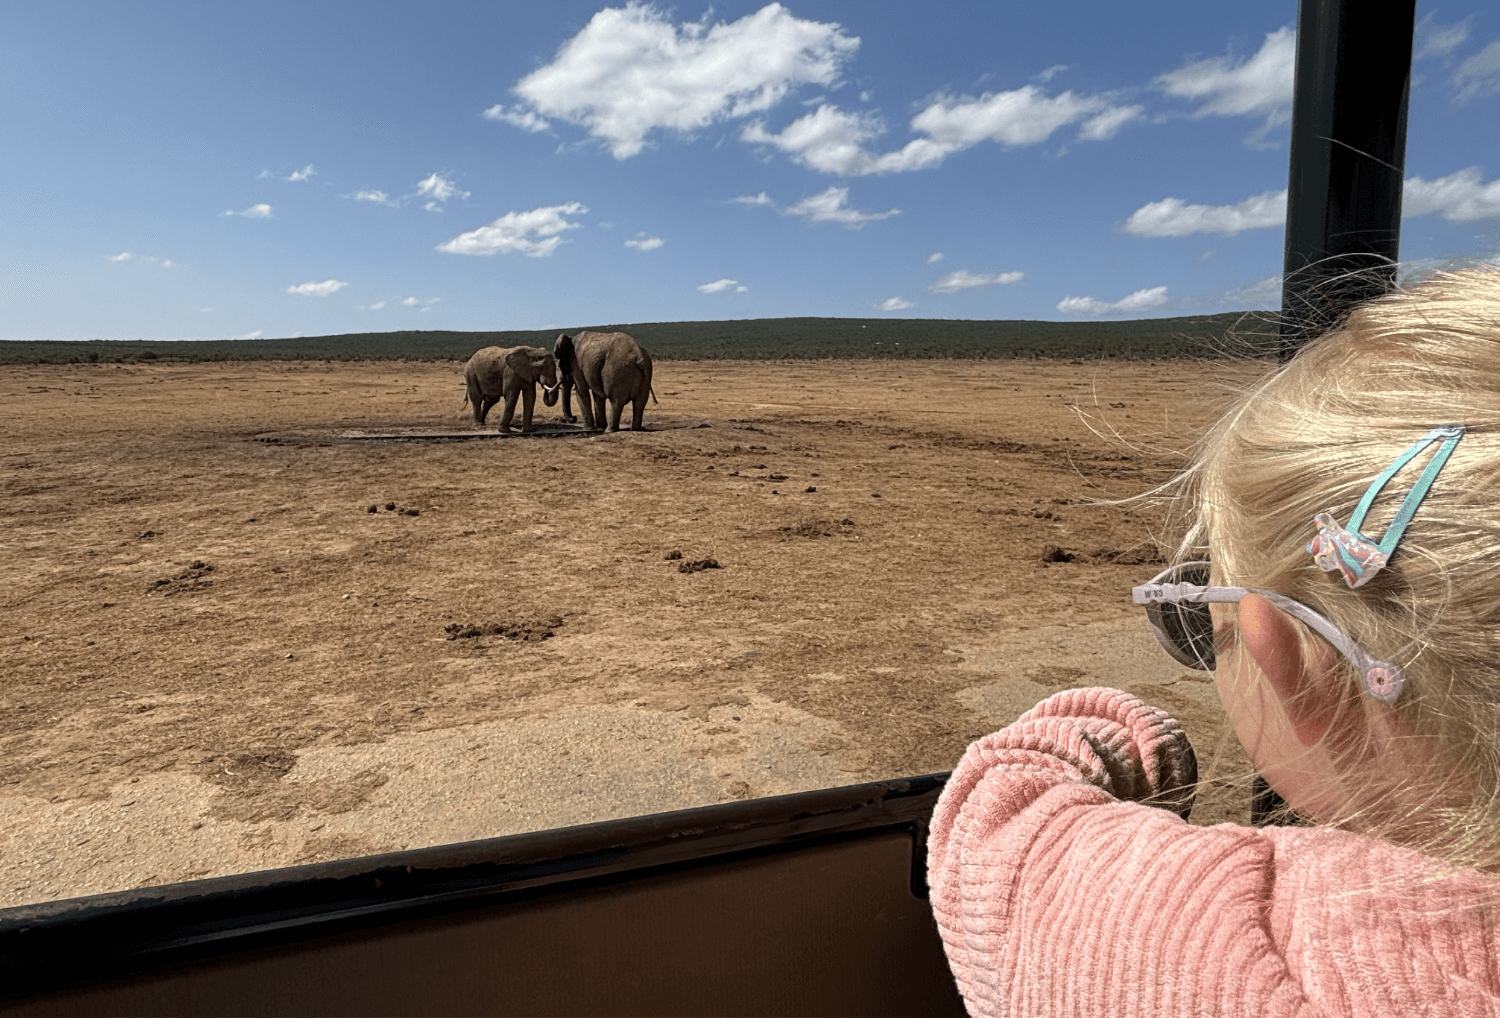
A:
(1353, 554)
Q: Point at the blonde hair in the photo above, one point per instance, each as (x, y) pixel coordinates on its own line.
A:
(1309, 437)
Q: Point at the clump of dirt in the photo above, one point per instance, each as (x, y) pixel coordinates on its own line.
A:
(191, 580)
(394, 508)
(1137, 556)
(700, 565)
(531, 632)
(813, 527)
(673, 555)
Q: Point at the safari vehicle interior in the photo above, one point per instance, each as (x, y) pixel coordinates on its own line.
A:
(813, 903)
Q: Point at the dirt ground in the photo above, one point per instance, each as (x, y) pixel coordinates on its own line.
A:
(239, 633)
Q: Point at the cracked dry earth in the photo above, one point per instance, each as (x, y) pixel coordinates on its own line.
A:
(241, 633)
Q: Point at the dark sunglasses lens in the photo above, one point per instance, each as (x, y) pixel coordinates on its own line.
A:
(1186, 630)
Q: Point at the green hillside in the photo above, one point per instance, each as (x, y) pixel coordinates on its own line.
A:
(752, 339)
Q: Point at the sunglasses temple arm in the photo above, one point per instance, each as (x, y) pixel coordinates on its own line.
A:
(1352, 651)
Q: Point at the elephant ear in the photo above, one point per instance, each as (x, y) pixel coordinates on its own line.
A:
(563, 349)
(519, 361)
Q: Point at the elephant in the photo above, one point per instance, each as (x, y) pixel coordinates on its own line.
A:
(604, 366)
(509, 372)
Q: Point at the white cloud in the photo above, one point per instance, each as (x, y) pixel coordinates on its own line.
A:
(1172, 217)
(1434, 40)
(963, 279)
(260, 211)
(828, 207)
(1258, 87)
(322, 289)
(1140, 300)
(645, 243)
(420, 305)
(1106, 125)
(720, 285)
(378, 197)
(250, 335)
(1459, 197)
(1025, 116)
(935, 257)
(1051, 72)
(896, 304)
(370, 307)
(833, 141)
(263, 175)
(125, 256)
(438, 188)
(754, 199)
(1479, 76)
(524, 119)
(535, 233)
(631, 71)
(302, 174)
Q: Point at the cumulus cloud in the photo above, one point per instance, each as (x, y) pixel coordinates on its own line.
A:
(250, 335)
(754, 199)
(963, 279)
(1479, 76)
(642, 242)
(1459, 197)
(1140, 300)
(631, 71)
(439, 189)
(303, 174)
(420, 305)
(721, 285)
(535, 233)
(126, 256)
(1434, 40)
(1172, 217)
(935, 257)
(834, 141)
(372, 195)
(828, 207)
(896, 304)
(524, 119)
(259, 211)
(1224, 86)
(322, 289)
(370, 307)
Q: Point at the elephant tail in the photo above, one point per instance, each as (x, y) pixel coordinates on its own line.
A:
(653, 395)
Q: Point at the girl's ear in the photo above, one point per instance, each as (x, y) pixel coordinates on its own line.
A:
(1302, 682)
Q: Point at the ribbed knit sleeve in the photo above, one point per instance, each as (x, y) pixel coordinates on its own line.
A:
(1055, 898)
(1058, 892)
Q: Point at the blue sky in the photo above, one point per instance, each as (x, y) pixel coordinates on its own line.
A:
(219, 170)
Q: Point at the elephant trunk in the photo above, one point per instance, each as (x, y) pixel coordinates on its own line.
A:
(551, 394)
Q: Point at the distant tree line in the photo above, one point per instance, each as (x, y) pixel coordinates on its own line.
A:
(1198, 336)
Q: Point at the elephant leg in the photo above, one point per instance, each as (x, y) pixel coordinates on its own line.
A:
(599, 410)
(616, 407)
(586, 407)
(482, 408)
(637, 411)
(528, 403)
(510, 408)
(567, 401)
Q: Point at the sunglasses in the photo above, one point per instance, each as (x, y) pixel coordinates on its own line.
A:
(1177, 601)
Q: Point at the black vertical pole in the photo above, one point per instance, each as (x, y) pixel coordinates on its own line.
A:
(1348, 157)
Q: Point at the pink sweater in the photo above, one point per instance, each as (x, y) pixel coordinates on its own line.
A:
(1054, 897)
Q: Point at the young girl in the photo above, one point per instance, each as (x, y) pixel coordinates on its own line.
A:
(1348, 509)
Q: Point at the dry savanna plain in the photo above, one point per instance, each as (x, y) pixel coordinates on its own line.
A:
(262, 614)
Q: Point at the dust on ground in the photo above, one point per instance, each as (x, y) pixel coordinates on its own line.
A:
(240, 633)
